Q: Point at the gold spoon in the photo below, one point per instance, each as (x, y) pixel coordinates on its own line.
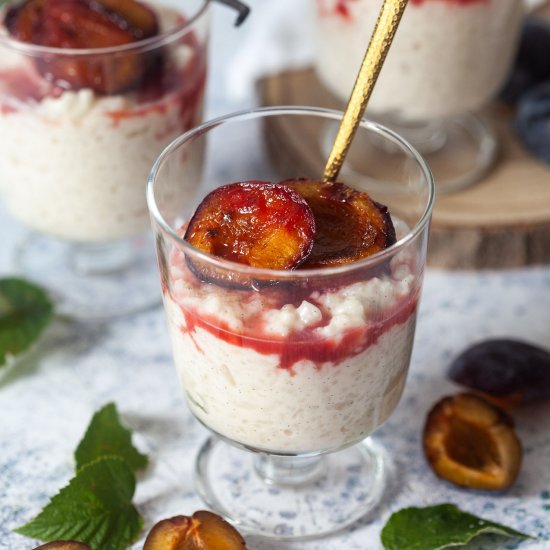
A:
(382, 37)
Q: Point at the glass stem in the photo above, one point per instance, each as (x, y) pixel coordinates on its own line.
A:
(289, 470)
(100, 259)
(426, 136)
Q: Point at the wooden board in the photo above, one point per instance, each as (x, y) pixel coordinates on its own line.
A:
(500, 222)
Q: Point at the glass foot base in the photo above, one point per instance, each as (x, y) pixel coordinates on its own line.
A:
(291, 498)
(460, 150)
(93, 281)
(468, 152)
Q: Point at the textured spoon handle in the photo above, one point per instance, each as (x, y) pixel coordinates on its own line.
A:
(388, 20)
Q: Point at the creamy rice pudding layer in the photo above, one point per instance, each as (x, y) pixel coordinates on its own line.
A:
(448, 56)
(74, 164)
(300, 377)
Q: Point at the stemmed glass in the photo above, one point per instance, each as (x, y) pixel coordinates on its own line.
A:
(447, 63)
(80, 130)
(291, 371)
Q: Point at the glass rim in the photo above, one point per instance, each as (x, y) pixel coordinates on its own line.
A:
(249, 114)
(134, 47)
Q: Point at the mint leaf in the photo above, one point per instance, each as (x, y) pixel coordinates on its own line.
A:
(95, 508)
(438, 527)
(25, 311)
(107, 436)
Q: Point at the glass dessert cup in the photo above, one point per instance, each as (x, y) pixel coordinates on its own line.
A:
(76, 152)
(448, 61)
(290, 370)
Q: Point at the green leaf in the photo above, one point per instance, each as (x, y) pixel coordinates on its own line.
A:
(94, 508)
(11, 2)
(107, 436)
(437, 527)
(25, 311)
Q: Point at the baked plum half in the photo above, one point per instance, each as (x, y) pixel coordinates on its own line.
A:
(294, 224)
(84, 24)
(254, 223)
(350, 225)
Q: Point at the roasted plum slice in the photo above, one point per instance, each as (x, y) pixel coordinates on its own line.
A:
(83, 24)
(139, 18)
(350, 225)
(510, 371)
(23, 20)
(203, 531)
(64, 545)
(472, 443)
(255, 223)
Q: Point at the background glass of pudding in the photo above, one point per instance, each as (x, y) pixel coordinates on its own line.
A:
(75, 157)
(291, 370)
(449, 59)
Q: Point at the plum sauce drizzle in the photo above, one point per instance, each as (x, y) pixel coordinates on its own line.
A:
(25, 86)
(341, 8)
(160, 87)
(185, 87)
(303, 345)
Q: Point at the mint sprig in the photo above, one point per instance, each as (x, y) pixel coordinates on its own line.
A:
(25, 311)
(96, 506)
(9, 2)
(106, 436)
(438, 527)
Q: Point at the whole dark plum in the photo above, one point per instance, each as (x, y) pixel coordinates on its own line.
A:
(504, 368)
(531, 66)
(533, 121)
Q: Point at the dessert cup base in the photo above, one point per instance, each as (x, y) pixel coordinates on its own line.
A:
(468, 150)
(341, 488)
(460, 150)
(92, 281)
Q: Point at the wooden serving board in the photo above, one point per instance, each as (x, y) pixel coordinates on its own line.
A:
(500, 222)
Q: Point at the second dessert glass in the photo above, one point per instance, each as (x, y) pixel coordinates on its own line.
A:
(80, 130)
(448, 61)
(290, 370)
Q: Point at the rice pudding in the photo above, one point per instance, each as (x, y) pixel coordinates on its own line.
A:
(290, 370)
(448, 56)
(75, 161)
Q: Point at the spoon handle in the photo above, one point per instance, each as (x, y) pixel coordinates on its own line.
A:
(382, 36)
(242, 9)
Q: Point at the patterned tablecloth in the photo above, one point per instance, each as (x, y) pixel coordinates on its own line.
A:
(47, 400)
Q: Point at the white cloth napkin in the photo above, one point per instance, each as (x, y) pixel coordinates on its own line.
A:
(278, 35)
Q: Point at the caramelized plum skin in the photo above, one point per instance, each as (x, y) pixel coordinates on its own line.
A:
(203, 531)
(510, 370)
(260, 224)
(64, 545)
(472, 443)
(289, 225)
(23, 20)
(140, 20)
(350, 225)
(80, 24)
